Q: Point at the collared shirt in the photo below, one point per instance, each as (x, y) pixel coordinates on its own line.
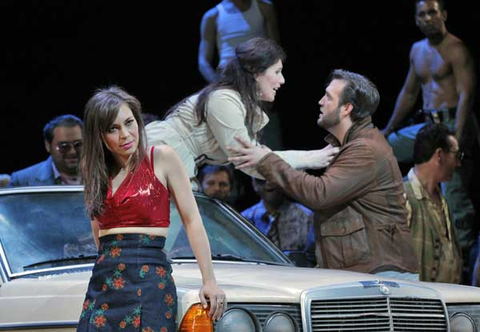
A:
(434, 237)
(294, 224)
(64, 180)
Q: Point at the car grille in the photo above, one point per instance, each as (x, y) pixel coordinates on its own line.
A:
(378, 314)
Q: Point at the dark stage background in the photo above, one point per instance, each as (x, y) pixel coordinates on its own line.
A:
(56, 53)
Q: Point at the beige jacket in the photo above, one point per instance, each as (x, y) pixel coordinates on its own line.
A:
(207, 143)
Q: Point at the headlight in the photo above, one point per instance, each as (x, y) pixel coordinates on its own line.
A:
(461, 322)
(196, 320)
(237, 320)
(279, 322)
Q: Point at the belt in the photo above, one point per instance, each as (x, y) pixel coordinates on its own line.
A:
(440, 115)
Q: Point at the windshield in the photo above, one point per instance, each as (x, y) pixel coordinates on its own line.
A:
(39, 227)
(40, 230)
(228, 235)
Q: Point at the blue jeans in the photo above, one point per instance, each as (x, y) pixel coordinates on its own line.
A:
(456, 190)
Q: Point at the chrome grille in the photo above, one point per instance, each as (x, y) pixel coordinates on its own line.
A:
(378, 314)
(418, 315)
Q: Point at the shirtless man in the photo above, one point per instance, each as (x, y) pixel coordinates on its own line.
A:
(230, 23)
(443, 69)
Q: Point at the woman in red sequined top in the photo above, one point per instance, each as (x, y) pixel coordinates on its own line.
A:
(127, 194)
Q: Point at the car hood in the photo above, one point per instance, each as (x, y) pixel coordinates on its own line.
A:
(267, 283)
(49, 298)
(63, 293)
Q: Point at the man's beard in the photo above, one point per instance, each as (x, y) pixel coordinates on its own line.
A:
(330, 120)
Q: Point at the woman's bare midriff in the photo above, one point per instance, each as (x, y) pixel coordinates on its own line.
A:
(155, 231)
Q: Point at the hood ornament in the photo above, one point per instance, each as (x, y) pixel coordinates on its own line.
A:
(384, 290)
(383, 286)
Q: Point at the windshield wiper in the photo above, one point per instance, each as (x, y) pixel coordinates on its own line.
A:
(230, 257)
(235, 258)
(57, 261)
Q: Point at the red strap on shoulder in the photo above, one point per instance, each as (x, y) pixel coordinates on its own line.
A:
(151, 156)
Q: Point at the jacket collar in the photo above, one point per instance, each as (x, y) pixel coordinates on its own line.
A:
(352, 133)
(264, 120)
(45, 171)
(417, 186)
(419, 190)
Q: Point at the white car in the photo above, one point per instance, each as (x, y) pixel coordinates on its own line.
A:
(47, 254)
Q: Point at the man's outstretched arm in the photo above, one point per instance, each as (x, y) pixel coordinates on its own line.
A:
(206, 50)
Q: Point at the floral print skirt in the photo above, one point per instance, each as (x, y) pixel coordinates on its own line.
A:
(131, 288)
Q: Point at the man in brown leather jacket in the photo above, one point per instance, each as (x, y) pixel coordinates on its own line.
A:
(359, 203)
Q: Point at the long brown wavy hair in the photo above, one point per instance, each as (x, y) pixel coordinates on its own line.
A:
(97, 162)
(252, 58)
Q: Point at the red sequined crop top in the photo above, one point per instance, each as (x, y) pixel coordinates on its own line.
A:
(141, 200)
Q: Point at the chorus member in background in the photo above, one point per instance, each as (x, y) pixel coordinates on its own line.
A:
(442, 69)
(63, 140)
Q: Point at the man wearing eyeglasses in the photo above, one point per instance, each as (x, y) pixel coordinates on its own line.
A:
(436, 156)
(63, 141)
(442, 72)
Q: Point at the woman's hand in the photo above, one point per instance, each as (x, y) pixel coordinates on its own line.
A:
(170, 170)
(218, 300)
(322, 158)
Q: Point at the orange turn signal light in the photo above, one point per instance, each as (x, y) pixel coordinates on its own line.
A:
(196, 320)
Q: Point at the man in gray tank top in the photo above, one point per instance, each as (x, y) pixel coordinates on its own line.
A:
(230, 23)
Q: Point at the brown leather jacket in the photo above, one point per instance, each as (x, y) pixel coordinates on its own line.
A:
(359, 203)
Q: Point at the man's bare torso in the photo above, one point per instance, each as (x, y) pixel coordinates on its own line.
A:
(432, 65)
